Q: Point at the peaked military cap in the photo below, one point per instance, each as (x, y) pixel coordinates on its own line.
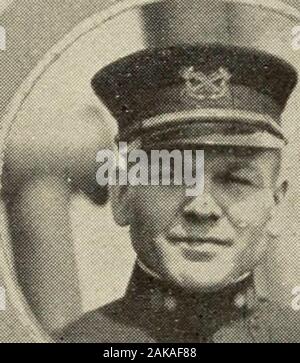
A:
(209, 73)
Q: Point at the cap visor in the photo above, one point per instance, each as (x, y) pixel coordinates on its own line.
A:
(265, 132)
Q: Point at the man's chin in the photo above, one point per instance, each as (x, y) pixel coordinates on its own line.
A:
(202, 283)
(203, 287)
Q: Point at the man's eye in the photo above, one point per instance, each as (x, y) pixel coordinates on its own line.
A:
(232, 179)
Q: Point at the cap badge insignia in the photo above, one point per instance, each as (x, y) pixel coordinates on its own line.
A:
(200, 86)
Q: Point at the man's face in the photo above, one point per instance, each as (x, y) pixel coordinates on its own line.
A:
(209, 241)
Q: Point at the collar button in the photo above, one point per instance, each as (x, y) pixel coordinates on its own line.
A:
(170, 303)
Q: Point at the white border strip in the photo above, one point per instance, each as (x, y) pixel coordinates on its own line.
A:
(211, 113)
(206, 113)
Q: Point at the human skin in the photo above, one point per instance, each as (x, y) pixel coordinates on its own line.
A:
(207, 242)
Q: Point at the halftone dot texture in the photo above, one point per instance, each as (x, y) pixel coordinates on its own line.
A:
(39, 208)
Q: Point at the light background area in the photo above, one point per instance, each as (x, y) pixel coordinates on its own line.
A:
(63, 96)
(58, 99)
(4, 4)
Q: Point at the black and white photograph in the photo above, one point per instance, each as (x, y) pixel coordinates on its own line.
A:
(150, 172)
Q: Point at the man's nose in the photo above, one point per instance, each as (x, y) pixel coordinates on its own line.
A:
(203, 207)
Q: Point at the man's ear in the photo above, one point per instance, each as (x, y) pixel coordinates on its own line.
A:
(280, 191)
(274, 225)
(120, 200)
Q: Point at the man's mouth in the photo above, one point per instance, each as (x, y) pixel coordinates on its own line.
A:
(197, 249)
(194, 241)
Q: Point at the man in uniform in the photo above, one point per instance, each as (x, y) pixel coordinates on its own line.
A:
(209, 78)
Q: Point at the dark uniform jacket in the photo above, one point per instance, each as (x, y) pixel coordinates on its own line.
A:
(152, 312)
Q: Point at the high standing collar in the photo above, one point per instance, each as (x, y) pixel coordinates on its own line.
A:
(172, 314)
